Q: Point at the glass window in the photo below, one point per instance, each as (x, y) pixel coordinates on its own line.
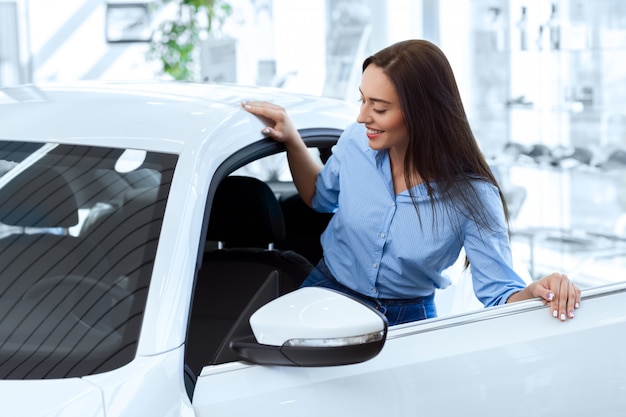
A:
(79, 227)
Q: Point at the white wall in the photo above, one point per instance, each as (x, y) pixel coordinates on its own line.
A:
(299, 43)
(68, 43)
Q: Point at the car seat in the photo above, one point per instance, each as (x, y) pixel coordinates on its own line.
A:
(304, 227)
(39, 207)
(245, 221)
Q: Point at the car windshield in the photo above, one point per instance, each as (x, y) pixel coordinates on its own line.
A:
(79, 227)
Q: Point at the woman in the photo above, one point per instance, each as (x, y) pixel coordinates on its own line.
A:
(409, 188)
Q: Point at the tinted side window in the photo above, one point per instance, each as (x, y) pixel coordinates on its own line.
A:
(79, 227)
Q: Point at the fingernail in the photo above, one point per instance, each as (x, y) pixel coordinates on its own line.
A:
(266, 131)
(571, 314)
(246, 105)
(563, 317)
(555, 314)
(550, 296)
(577, 305)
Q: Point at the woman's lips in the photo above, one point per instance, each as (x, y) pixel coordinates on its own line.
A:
(372, 133)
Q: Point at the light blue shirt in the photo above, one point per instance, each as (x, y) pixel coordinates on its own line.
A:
(374, 243)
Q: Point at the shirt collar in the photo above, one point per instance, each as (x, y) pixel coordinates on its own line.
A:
(378, 156)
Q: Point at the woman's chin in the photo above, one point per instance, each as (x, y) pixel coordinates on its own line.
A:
(376, 145)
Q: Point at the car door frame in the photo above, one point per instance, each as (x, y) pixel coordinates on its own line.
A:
(313, 137)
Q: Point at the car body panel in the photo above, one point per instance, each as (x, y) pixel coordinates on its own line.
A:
(512, 360)
(150, 385)
(144, 112)
(147, 386)
(68, 397)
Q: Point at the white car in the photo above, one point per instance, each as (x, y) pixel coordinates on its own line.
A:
(151, 247)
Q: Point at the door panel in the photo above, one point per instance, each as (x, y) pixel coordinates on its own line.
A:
(510, 360)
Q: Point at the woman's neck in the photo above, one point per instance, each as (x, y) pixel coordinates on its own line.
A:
(396, 161)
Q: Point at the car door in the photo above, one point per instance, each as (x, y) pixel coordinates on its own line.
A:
(511, 360)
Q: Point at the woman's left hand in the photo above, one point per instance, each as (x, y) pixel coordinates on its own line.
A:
(560, 294)
(557, 291)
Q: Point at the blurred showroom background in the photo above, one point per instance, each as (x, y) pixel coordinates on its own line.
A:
(543, 82)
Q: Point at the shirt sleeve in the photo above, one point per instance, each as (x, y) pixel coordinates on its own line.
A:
(326, 197)
(489, 252)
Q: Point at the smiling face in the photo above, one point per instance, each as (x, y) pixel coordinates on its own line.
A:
(381, 112)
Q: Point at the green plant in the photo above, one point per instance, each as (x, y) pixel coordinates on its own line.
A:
(176, 42)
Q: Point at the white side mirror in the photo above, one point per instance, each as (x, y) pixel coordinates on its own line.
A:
(314, 327)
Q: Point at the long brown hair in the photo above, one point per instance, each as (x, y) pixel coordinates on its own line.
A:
(442, 149)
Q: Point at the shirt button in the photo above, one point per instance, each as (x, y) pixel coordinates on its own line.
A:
(374, 265)
(382, 235)
(374, 290)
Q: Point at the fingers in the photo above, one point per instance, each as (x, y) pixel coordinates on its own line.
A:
(559, 305)
(265, 109)
(573, 299)
(278, 124)
(566, 296)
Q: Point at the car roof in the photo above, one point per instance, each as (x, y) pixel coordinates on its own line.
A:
(153, 115)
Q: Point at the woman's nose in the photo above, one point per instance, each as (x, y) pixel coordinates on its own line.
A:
(362, 117)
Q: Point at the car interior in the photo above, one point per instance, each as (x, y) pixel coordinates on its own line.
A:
(262, 241)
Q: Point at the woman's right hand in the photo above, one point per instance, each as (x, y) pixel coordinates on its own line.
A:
(304, 168)
(278, 124)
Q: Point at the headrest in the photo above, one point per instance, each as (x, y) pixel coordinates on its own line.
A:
(38, 197)
(245, 213)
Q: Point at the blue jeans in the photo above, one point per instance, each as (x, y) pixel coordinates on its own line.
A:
(397, 311)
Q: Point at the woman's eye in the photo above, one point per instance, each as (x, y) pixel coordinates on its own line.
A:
(363, 102)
